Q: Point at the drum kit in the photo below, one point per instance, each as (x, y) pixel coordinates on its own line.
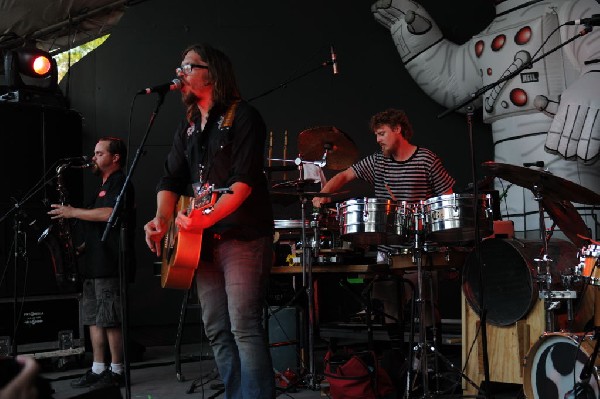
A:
(516, 273)
(561, 364)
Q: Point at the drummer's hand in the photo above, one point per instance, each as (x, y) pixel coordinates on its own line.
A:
(155, 230)
(318, 201)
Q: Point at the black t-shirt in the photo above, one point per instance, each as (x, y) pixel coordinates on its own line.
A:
(102, 258)
(225, 156)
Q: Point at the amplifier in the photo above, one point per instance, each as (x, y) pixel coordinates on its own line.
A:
(50, 322)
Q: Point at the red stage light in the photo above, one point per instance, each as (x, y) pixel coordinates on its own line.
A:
(41, 65)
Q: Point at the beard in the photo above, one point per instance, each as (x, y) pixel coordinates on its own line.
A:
(96, 170)
(188, 99)
(387, 151)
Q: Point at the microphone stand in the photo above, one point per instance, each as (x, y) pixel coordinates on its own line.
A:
(293, 79)
(19, 252)
(472, 97)
(112, 221)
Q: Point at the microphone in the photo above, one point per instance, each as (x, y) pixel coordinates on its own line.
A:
(175, 84)
(593, 21)
(334, 61)
(539, 164)
(84, 166)
(82, 158)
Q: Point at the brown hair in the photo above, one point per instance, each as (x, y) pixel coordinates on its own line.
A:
(220, 68)
(393, 118)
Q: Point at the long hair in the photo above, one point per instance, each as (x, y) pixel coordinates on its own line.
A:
(393, 118)
(220, 68)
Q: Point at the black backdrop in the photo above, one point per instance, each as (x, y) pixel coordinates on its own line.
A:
(268, 42)
(35, 137)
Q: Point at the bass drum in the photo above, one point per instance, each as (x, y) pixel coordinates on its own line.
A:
(554, 363)
(509, 276)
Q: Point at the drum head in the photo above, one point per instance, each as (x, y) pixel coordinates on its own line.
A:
(554, 365)
(508, 273)
(508, 284)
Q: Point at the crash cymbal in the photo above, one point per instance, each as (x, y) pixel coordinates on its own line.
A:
(547, 184)
(341, 150)
(298, 183)
(567, 219)
(307, 193)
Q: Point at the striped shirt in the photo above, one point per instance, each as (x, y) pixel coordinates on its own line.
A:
(420, 177)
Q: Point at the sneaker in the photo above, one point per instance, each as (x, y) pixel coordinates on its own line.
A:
(87, 380)
(109, 379)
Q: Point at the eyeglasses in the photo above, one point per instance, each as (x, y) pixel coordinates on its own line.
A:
(187, 68)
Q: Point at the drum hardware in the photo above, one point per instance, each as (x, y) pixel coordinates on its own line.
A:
(328, 146)
(418, 355)
(308, 253)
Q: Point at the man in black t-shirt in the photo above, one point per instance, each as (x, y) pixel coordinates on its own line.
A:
(101, 288)
(222, 143)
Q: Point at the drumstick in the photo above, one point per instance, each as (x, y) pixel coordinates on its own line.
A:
(285, 143)
(270, 148)
(389, 190)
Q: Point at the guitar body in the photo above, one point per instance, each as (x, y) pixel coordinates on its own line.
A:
(181, 252)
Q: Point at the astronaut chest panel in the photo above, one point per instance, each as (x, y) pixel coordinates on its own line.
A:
(504, 50)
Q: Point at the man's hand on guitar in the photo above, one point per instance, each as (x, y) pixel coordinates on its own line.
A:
(195, 223)
(155, 230)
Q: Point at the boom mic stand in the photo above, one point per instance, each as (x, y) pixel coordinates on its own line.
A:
(118, 210)
(472, 97)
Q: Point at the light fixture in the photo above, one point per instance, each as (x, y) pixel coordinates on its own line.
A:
(31, 77)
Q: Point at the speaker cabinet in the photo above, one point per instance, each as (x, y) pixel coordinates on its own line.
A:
(283, 337)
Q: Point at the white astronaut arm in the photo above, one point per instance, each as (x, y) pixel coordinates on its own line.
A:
(575, 129)
(442, 69)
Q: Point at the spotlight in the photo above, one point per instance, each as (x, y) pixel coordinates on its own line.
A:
(30, 67)
(32, 77)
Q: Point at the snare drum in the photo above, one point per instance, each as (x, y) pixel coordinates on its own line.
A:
(588, 268)
(554, 364)
(369, 221)
(449, 218)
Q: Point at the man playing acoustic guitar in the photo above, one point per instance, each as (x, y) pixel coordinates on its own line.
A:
(221, 144)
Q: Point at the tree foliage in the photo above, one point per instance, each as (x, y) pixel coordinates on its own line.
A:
(67, 59)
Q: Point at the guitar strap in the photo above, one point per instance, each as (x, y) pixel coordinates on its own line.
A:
(229, 116)
(224, 127)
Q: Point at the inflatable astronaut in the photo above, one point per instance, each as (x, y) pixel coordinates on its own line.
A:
(549, 112)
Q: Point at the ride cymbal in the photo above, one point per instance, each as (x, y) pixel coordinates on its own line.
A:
(545, 183)
(341, 150)
(566, 217)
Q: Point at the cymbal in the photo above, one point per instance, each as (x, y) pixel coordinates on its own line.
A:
(567, 219)
(299, 183)
(341, 150)
(549, 185)
(308, 193)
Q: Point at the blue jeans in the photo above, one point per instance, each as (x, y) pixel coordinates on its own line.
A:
(232, 291)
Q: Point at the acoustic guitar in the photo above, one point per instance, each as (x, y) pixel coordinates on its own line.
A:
(181, 249)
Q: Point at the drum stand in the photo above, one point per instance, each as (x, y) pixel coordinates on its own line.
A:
(417, 357)
(544, 275)
(307, 282)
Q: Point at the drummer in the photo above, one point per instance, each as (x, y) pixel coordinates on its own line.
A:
(401, 171)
